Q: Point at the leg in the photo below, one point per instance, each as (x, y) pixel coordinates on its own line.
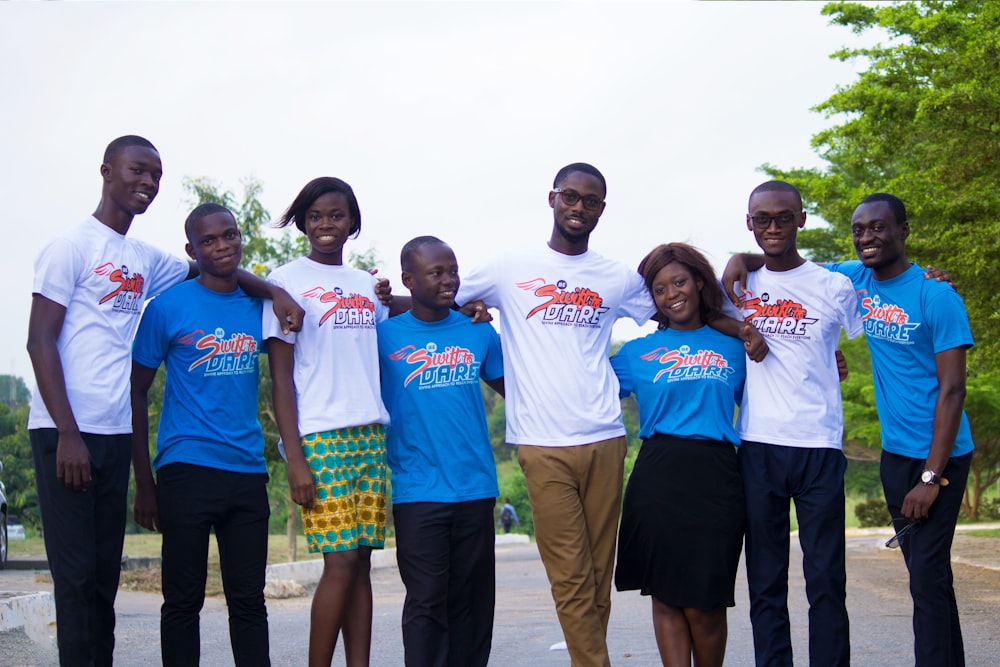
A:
(554, 476)
(819, 505)
(767, 505)
(708, 636)
(110, 462)
(423, 542)
(242, 538)
(673, 635)
(189, 500)
(357, 628)
(330, 605)
(601, 492)
(927, 553)
(471, 584)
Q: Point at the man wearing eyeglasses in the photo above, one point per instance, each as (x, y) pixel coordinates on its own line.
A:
(791, 424)
(558, 304)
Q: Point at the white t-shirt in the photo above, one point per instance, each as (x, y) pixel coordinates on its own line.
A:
(336, 353)
(102, 278)
(556, 316)
(792, 398)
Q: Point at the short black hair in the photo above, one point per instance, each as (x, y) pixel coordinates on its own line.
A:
(582, 167)
(411, 247)
(776, 186)
(894, 202)
(199, 212)
(313, 190)
(121, 143)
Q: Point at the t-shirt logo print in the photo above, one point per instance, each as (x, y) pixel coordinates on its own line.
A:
(783, 316)
(886, 320)
(581, 306)
(352, 311)
(127, 293)
(682, 364)
(456, 365)
(223, 356)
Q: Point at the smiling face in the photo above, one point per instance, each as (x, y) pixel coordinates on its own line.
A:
(433, 280)
(572, 225)
(328, 224)
(215, 243)
(777, 240)
(879, 239)
(132, 179)
(677, 295)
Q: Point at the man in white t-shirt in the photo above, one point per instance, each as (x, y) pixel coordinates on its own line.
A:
(557, 307)
(791, 424)
(89, 288)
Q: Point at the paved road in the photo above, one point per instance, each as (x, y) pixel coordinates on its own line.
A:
(526, 622)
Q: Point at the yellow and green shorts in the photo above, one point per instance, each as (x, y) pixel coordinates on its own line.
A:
(349, 469)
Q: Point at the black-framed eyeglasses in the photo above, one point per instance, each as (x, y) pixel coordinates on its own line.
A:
(571, 197)
(764, 221)
(896, 540)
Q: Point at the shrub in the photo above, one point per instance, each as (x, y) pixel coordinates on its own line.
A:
(872, 513)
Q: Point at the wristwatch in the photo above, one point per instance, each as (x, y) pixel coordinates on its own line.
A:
(929, 477)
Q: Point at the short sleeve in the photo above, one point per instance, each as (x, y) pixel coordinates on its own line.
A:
(948, 321)
(166, 270)
(623, 370)
(57, 268)
(636, 301)
(492, 367)
(152, 340)
(270, 326)
(480, 284)
(847, 303)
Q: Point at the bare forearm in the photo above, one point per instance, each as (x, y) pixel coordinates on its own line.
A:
(47, 364)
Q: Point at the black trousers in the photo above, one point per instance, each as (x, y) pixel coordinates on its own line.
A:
(193, 501)
(447, 561)
(84, 532)
(927, 551)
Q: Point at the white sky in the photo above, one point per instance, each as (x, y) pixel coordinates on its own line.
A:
(448, 119)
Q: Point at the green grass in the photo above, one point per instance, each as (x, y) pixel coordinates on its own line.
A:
(993, 532)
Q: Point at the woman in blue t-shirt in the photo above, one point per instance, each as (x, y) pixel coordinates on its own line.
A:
(682, 516)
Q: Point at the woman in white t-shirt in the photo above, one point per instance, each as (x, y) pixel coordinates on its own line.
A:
(327, 399)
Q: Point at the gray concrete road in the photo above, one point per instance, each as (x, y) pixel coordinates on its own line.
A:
(526, 623)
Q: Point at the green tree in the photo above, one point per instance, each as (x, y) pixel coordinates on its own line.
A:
(982, 404)
(922, 122)
(18, 468)
(13, 391)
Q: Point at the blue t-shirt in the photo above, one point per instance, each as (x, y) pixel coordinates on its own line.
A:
(687, 383)
(437, 444)
(908, 320)
(210, 342)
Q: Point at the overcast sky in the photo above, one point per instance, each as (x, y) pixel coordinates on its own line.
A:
(448, 119)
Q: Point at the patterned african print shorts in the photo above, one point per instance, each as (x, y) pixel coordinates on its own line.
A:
(348, 467)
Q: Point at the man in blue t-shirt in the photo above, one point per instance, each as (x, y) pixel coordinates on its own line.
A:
(210, 470)
(918, 333)
(444, 483)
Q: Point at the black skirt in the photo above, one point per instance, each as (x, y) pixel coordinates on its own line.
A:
(682, 523)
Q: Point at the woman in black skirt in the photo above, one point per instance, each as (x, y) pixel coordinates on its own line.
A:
(682, 517)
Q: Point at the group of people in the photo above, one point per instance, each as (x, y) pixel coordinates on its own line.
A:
(366, 382)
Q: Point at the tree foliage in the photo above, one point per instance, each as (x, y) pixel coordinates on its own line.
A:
(921, 122)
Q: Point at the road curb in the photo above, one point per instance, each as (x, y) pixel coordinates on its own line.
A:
(35, 613)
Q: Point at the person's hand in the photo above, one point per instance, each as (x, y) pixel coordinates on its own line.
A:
(735, 271)
(939, 275)
(301, 484)
(754, 343)
(917, 503)
(383, 290)
(288, 312)
(73, 461)
(841, 365)
(477, 310)
(144, 507)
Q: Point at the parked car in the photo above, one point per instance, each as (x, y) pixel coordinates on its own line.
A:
(3, 523)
